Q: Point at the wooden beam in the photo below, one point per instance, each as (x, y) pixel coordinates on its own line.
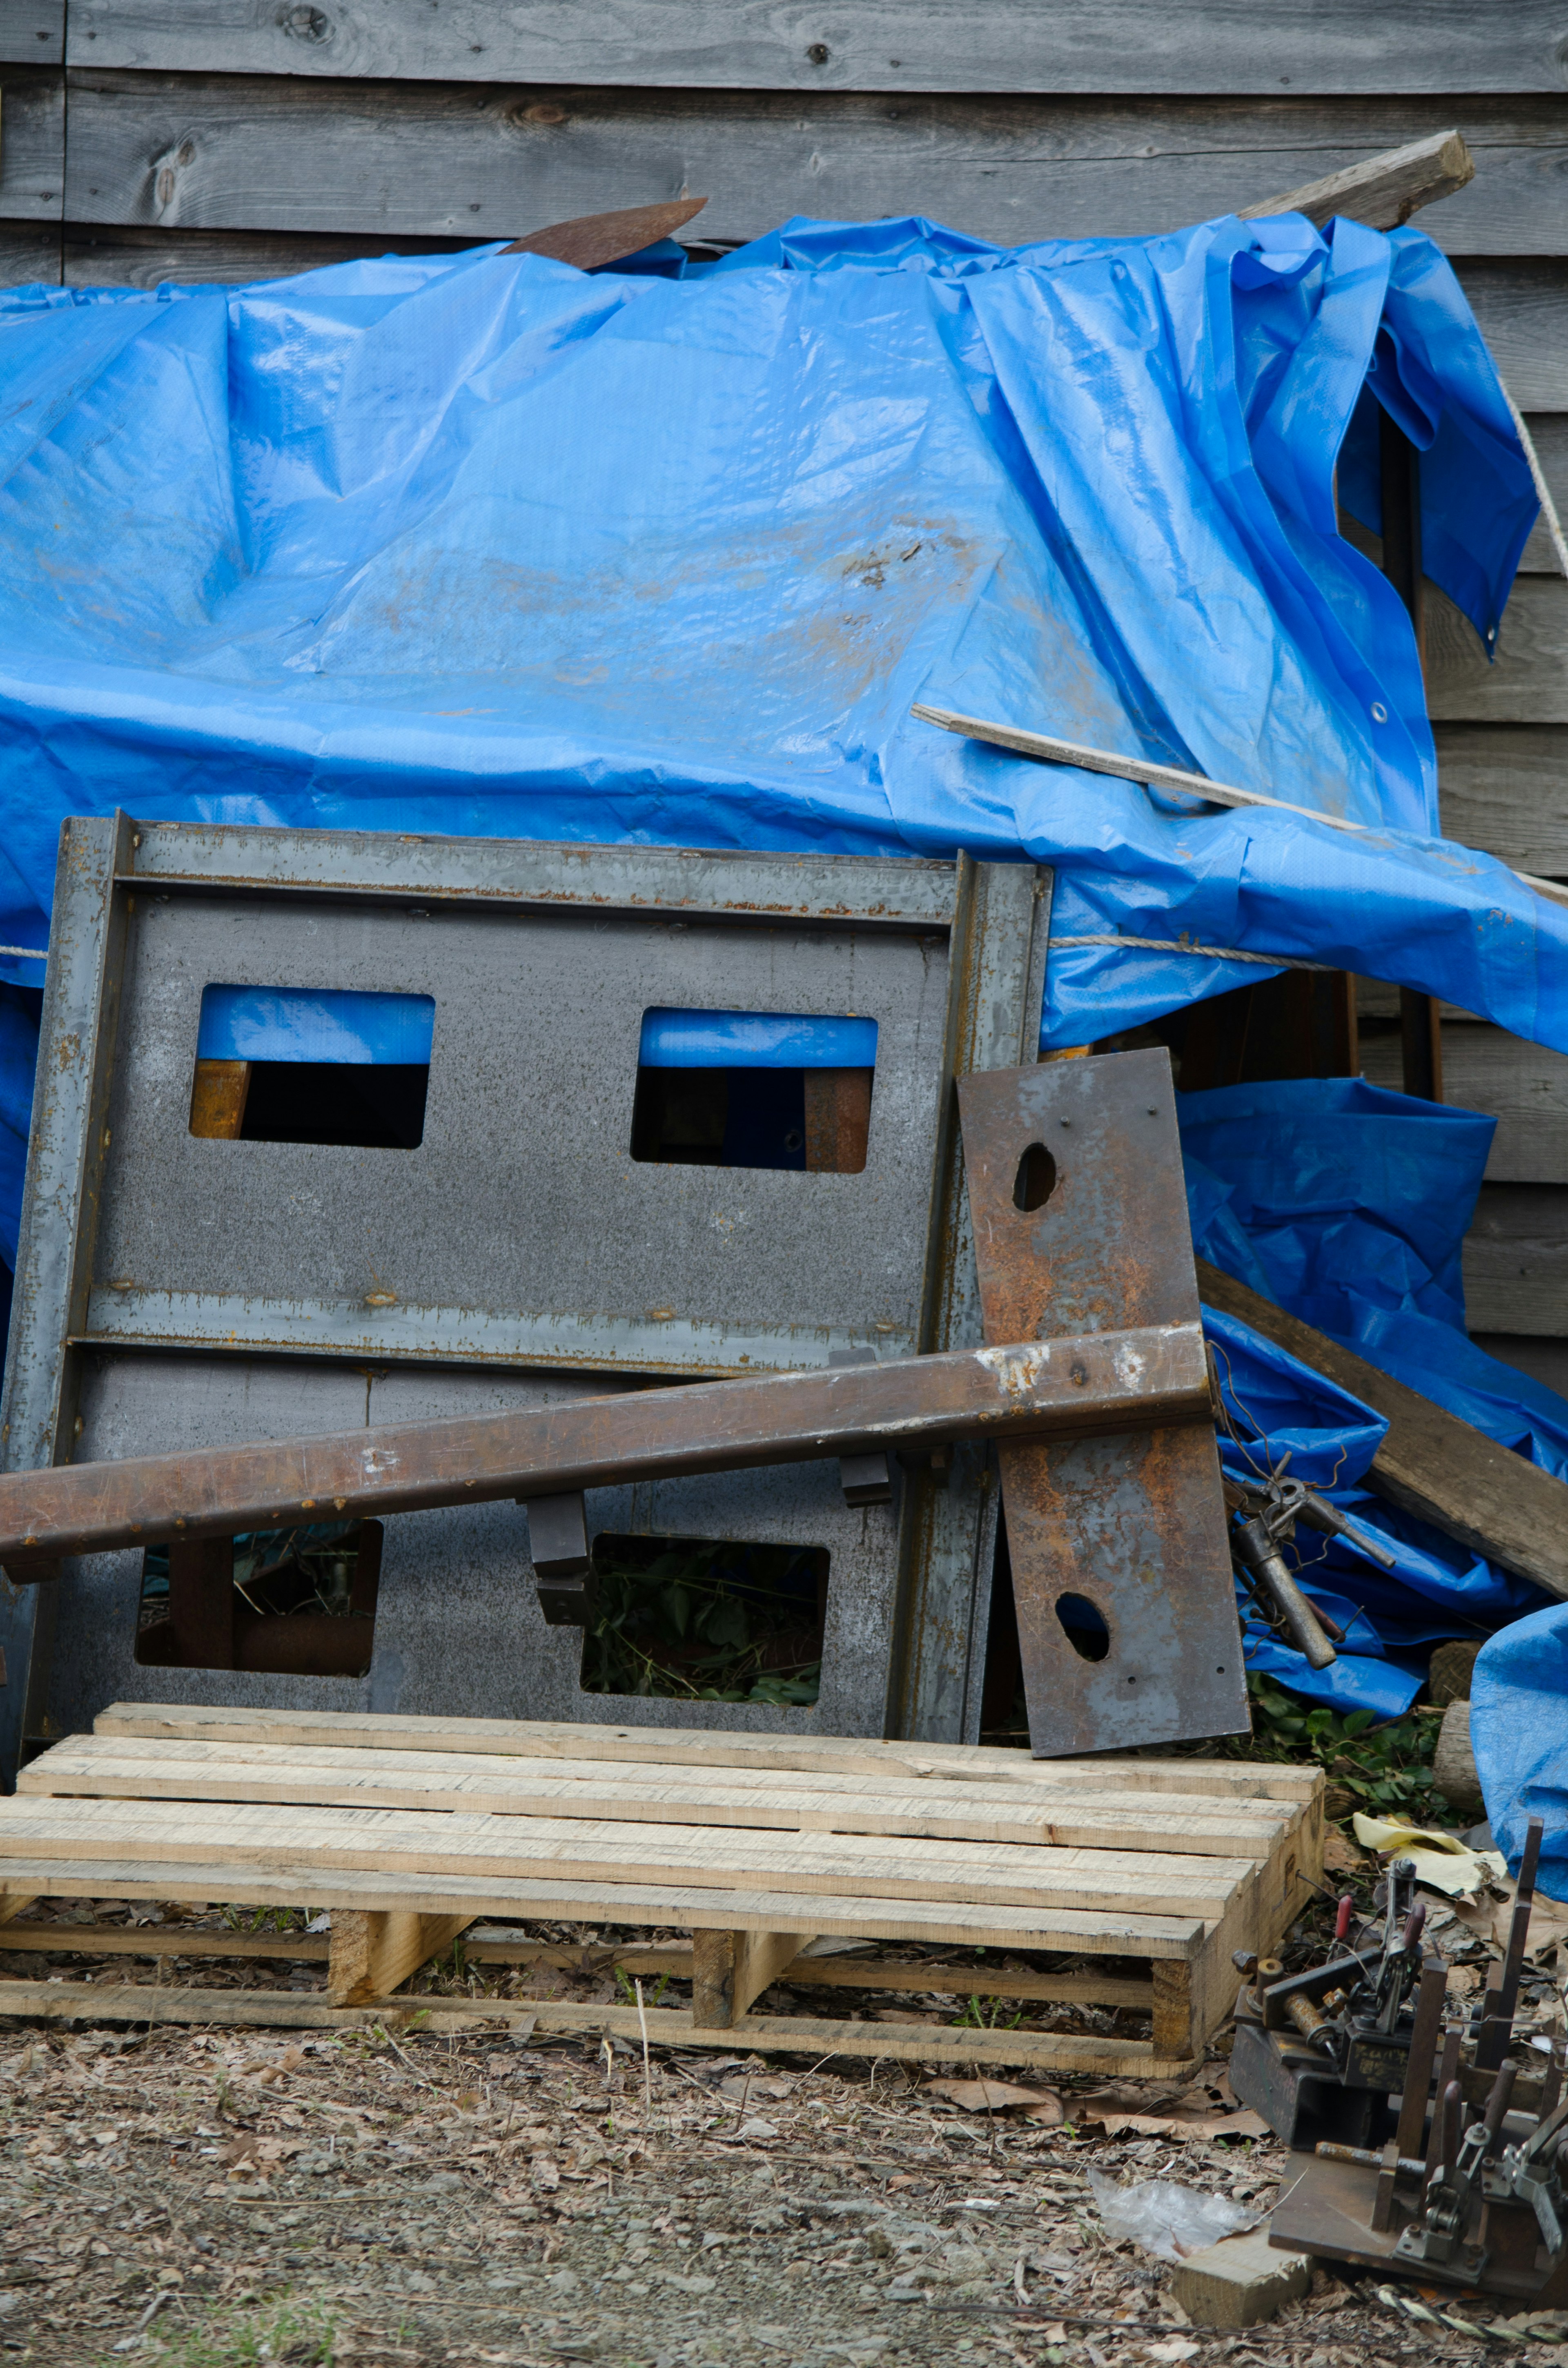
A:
(1045, 747)
(1132, 46)
(1382, 190)
(372, 1953)
(1437, 1467)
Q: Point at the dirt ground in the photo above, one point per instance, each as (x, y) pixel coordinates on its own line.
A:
(239, 2196)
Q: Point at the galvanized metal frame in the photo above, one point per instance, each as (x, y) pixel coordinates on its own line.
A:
(995, 918)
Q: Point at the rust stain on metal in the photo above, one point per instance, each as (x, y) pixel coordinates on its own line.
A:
(1080, 1225)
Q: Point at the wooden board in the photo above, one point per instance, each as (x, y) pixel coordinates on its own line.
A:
(1522, 306)
(1434, 1465)
(316, 1842)
(32, 145)
(684, 1906)
(491, 1785)
(1097, 45)
(29, 252)
(33, 33)
(1524, 1087)
(1504, 787)
(194, 151)
(1527, 683)
(695, 1747)
(108, 256)
(1516, 1260)
(437, 2016)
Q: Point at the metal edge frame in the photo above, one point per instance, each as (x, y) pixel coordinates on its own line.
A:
(60, 1201)
(947, 1537)
(892, 891)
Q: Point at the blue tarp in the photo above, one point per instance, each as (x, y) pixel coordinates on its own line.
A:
(477, 543)
(1519, 1731)
(1349, 1206)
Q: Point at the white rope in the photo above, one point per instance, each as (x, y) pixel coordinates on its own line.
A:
(1206, 953)
(28, 953)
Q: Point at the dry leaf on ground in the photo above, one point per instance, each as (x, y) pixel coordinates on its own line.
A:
(997, 2097)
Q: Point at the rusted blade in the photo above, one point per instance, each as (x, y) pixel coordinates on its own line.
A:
(1074, 1177)
(602, 1443)
(595, 239)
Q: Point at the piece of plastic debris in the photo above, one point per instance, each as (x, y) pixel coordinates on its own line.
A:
(1167, 2219)
(1441, 1859)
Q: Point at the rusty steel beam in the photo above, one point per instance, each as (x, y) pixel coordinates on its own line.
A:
(1111, 1381)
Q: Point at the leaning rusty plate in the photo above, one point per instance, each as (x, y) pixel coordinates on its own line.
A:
(593, 240)
(1121, 1573)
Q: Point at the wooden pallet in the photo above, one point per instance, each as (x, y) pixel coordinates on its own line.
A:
(412, 1830)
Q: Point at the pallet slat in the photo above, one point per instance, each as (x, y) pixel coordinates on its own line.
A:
(487, 1784)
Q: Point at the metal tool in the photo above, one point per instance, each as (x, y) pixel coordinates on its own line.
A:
(1472, 2188)
(1267, 1512)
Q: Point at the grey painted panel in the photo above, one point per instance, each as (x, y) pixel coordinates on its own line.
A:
(398, 159)
(1097, 45)
(1527, 683)
(28, 252)
(910, 893)
(32, 146)
(522, 1200)
(1524, 1087)
(1504, 787)
(458, 1628)
(1516, 1260)
(33, 33)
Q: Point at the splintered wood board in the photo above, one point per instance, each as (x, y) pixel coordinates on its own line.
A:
(699, 1747)
(317, 1841)
(653, 1793)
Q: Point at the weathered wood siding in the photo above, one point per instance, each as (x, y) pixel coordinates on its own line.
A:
(227, 139)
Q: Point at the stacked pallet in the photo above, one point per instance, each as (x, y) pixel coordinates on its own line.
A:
(412, 1830)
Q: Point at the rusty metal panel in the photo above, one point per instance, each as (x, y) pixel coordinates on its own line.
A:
(1080, 1226)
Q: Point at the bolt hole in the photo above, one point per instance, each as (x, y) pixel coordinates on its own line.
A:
(1083, 1626)
(818, 53)
(1036, 1179)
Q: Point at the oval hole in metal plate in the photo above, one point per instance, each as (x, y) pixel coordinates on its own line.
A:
(1084, 1624)
(1036, 1179)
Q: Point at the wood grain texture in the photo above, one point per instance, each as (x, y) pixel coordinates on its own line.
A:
(698, 1748)
(1382, 190)
(1080, 1932)
(1522, 307)
(1097, 45)
(99, 256)
(33, 33)
(28, 252)
(1524, 1087)
(32, 145)
(192, 152)
(1516, 1260)
(650, 1796)
(1548, 434)
(1527, 682)
(1504, 787)
(315, 1842)
(1431, 1463)
(374, 1950)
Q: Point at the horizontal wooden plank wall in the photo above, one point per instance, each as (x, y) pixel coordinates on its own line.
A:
(143, 140)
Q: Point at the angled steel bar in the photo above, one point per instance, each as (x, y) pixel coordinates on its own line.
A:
(1106, 1382)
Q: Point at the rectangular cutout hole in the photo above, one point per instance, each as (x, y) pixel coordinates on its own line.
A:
(755, 1090)
(706, 1620)
(284, 1065)
(298, 1602)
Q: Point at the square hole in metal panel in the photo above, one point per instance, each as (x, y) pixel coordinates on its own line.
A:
(755, 1090)
(706, 1620)
(298, 1602)
(287, 1064)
